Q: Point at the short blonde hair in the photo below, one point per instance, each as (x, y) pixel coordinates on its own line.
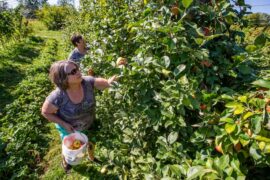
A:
(58, 74)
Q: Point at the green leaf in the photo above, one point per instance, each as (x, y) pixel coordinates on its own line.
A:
(251, 48)
(242, 99)
(233, 104)
(127, 139)
(166, 178)
(238, 110)
(194, 172)
(167, 114)
(211, 175)
(148, 176)
(167, 61)
(244, 69)
(261, 138)
(186, 101)
(258, 103)
(208, 38)
(194, 102)
(179, 69)
(228, 120)
(165, 72)
(187, 3)
(168, 123)
(208, 96)
(200, 31)
(226, 97)
(111, 155)
(199, 41)
(229, 128)
(103, 2)
(241, 2)
(262, 83)
(267, 148)
(229, 171)
(181, 121)
(244, 139)
(183, 80)
(247, 115)
(240, 57)
(172, 137)
(256, 123)
(209, 163)
(241, 177)
(176, 169)
(262, 145)
(233, 138)
(222, 162)
(128, 131)
(254, 152)
(260, 40)
(165, 170)
(235, 164)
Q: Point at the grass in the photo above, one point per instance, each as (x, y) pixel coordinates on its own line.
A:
(15, 58)
(40, 30)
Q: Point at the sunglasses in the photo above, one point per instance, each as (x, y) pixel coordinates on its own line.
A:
(73, 71)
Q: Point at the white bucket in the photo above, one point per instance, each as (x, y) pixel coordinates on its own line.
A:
(74, 157)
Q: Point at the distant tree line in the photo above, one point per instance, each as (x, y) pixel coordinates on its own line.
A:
(258, 19)
(29, 7)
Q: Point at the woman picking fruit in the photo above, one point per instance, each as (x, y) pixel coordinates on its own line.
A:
(72, 104)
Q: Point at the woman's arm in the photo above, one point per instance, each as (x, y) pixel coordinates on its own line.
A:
(49, 112)
(101, 83)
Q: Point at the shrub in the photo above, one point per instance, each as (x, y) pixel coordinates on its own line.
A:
(54, 17)
(12, 25)
(179, 110)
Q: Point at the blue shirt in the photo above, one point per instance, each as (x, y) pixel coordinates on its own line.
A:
(76, 56)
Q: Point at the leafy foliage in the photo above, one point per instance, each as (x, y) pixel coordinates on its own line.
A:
(12, 25)
(180, 109)
(54, 17)
(258, 19)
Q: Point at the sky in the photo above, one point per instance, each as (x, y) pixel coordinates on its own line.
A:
(262, 6)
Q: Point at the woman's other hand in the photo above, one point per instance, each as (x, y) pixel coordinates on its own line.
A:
(68, 127)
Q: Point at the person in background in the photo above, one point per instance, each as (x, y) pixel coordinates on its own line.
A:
(71, 106)
(78, 53)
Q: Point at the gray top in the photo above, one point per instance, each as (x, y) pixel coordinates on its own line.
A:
(80, 115)
(76, 56)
